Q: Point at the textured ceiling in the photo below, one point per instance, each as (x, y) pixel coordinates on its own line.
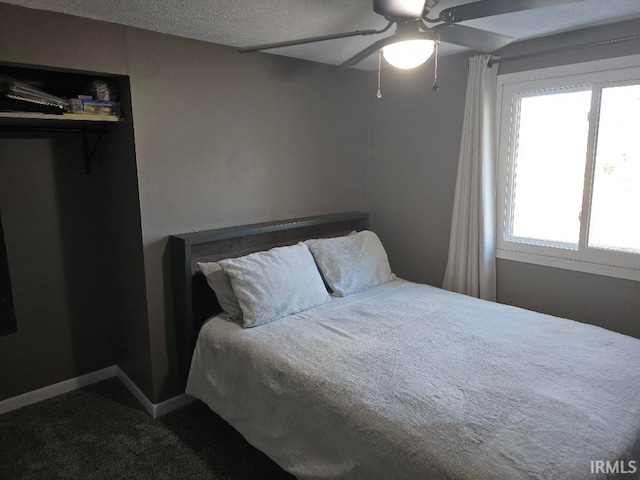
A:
(241, 23)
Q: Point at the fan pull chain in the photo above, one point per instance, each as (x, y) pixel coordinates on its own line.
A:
(379, 92)
(435, 87)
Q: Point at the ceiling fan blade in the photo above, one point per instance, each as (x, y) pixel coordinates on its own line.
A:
(473, 38)
(321, 38)
(489, 8)
(358, 57)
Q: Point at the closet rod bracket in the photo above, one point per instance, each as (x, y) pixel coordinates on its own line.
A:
(89, 152)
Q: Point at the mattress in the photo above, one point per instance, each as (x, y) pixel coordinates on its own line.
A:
(407, 381)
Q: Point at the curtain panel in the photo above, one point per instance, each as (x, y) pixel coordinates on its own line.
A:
(471, 262)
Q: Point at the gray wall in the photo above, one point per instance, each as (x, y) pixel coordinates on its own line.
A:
(413, 155)
(414, 147)
(118, 173)
(225, 139)
(221, 139)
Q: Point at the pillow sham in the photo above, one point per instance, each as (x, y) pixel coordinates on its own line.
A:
(353, 263)
(219, 282)
(275, 284)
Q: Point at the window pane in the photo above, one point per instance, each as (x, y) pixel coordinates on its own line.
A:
(550, 162)
(615, 208)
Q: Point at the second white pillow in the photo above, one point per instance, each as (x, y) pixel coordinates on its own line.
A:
(352, 263)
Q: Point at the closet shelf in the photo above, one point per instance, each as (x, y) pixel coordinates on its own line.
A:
(39, 120)
(32, 84)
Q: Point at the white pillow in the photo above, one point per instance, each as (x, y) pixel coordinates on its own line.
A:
(220, 283)
(353, 263)
(275, 284)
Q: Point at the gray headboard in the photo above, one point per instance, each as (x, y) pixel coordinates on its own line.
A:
(194, 302)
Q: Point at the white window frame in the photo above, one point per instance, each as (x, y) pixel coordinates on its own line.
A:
(617, 71)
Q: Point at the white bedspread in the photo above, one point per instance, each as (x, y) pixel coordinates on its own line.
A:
(407, 381)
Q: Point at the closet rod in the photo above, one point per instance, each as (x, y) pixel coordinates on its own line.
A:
(554, 51)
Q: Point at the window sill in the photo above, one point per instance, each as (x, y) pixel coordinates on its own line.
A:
(567, 264)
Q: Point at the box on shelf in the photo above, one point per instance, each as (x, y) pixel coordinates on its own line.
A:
(92, 106)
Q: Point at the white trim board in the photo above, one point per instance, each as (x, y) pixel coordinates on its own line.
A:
(162, 408)
(56, 389)
(155, 410)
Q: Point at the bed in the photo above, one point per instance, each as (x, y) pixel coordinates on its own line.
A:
(408, 381)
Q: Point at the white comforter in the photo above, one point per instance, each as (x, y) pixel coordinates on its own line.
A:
(407, 381)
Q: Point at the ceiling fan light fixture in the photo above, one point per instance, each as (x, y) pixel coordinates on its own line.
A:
(400, 9)
(408, 54)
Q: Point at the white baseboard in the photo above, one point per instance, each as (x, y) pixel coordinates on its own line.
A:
(135, 391)
(162, 408)
(154, 409)
(56, 389)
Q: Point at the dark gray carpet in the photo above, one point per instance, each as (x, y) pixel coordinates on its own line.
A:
(102, 432)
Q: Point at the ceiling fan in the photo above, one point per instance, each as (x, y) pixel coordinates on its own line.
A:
(417, 34)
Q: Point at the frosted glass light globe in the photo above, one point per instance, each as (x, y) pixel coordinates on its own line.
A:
(408, 53)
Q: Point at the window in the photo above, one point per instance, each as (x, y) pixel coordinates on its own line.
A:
(569, 167)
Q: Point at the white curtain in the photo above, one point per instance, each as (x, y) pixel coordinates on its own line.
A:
(471, 264)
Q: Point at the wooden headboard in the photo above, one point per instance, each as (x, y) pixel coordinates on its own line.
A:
(195, 302)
